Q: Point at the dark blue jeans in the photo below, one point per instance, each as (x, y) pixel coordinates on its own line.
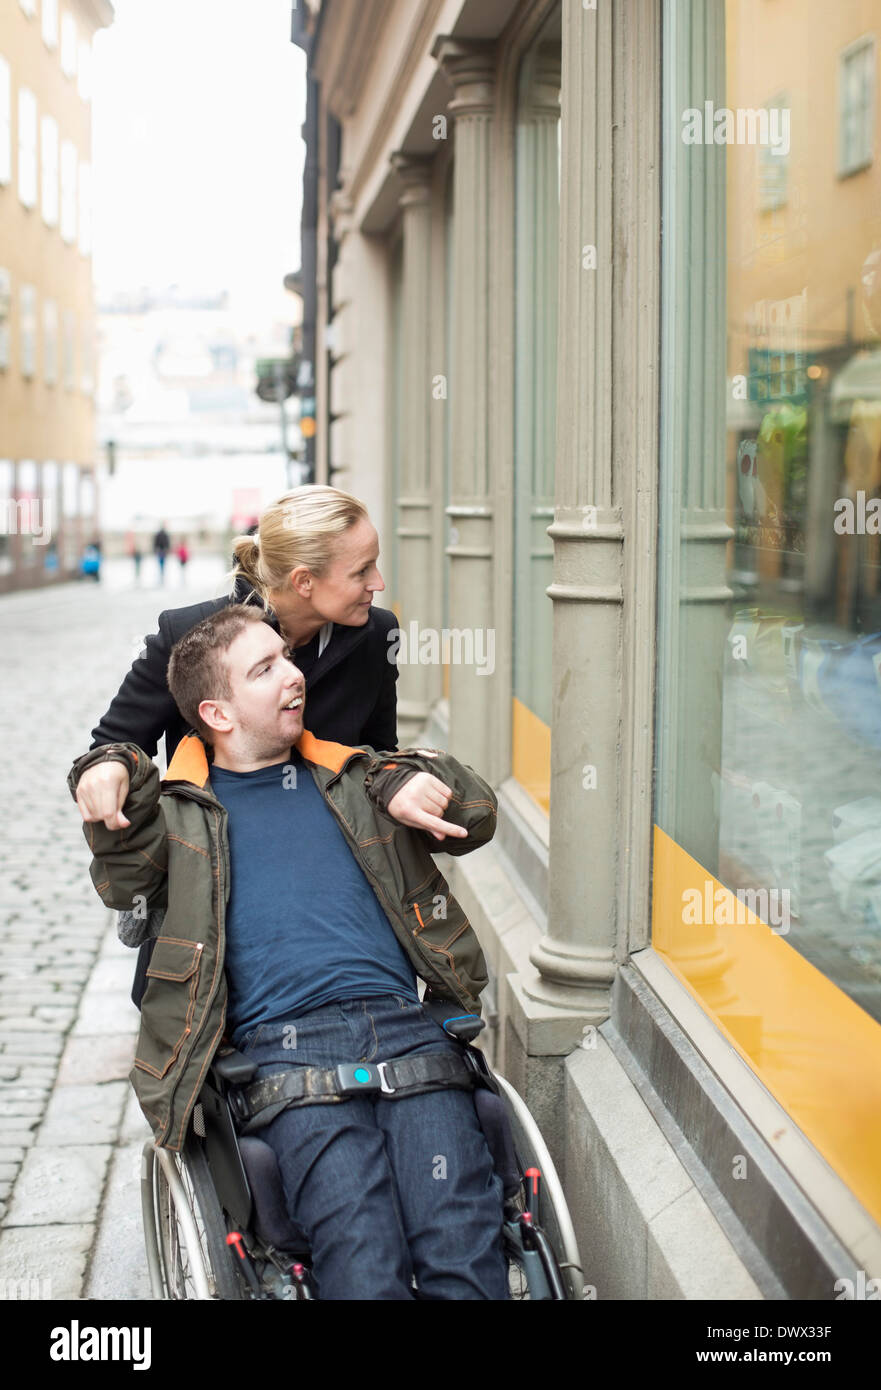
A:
(384, 1189)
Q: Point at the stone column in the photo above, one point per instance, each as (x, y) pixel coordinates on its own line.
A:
(413, 511)
(470, 69)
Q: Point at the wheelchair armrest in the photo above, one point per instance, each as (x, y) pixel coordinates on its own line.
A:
(234, 1067)
(448, 1013)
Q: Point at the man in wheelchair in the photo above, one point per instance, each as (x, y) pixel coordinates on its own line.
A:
(300, 903)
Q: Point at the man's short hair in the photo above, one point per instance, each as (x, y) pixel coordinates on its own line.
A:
(197, 669)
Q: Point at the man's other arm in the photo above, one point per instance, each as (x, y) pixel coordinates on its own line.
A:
(471, 803)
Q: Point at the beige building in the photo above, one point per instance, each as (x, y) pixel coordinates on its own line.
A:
(48, 503)
(604, 360)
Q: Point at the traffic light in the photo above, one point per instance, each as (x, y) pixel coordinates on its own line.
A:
(277, 378)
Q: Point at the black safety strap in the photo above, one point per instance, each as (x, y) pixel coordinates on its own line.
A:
(258, 1104)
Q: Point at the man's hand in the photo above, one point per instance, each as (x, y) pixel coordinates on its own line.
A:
(421, 803)
(101, 794)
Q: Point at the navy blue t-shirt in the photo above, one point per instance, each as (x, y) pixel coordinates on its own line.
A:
(303, 926)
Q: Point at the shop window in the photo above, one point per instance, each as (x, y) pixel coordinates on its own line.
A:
(5, 309)
(767, 857)
(7, 510)
(536, 236)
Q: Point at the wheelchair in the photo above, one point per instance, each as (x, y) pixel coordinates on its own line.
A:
(216, 1225)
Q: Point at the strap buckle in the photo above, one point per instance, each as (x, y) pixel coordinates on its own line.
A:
(357, 1078)
(384, 1086)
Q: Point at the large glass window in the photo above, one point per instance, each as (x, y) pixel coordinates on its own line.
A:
(767, 886)
(536, 237)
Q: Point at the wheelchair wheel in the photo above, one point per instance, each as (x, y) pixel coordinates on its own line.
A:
(556, 1238)
(184, 1227)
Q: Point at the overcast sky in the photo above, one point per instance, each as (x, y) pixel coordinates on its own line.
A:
(198, 157)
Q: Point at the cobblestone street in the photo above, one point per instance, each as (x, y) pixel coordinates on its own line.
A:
(71, 1132)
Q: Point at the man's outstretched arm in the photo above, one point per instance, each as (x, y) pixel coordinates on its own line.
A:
(130, 864)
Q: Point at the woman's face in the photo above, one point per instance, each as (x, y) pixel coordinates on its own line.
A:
(344, 593)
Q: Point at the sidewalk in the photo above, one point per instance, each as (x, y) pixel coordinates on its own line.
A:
(71, 1132)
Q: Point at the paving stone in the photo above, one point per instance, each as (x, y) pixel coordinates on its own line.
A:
(86, 1114)
(50, 1259)
(106, 1012)
(59, 1186)
(88, 1059)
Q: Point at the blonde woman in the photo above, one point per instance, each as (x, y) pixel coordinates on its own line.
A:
(313, 566)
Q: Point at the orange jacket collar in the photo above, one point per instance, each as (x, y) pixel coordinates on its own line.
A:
(190, 761)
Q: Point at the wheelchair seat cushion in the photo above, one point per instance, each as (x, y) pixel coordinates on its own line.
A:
(272, 1223)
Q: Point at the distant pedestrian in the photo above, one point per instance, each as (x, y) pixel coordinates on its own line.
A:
(133, 546)
(183, 556)
(161, 547)
(90, 565)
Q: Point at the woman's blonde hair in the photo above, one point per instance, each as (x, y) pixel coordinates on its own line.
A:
(299, 529)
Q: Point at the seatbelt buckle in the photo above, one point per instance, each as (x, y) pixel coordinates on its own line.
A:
(355, 1078)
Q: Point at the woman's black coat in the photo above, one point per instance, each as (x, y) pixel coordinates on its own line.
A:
(350, 692)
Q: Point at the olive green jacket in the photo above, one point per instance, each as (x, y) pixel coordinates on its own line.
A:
(175, 855)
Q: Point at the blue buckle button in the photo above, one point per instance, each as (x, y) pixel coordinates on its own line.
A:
(355, 1077)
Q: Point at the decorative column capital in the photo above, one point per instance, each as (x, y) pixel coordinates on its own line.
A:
(542, 70)
(414, 171)
(340, 209)
(469, 66)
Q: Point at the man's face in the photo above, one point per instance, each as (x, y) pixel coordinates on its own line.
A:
(265, 709)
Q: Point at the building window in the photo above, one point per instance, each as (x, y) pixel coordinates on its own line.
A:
(536, 236)
(68, 369)
(85, 208)
(84, 69)
(5, 122)
(87, 359)
(28, 303)
(49, 169)
(27, 147)
(856, 106)
(68, 190)
(767, 852)
(50, 23)
(50, 341)
(772, 163)
(68, 44)
(5, 310)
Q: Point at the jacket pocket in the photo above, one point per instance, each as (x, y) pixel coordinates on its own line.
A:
(168, 1004)
(445, 935)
